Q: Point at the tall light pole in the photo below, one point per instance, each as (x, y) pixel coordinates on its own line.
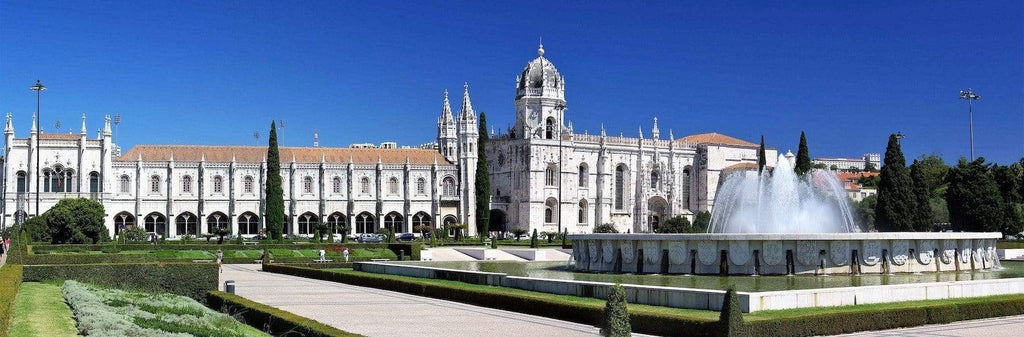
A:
(970, 96)
(561, 112)
(38, 88)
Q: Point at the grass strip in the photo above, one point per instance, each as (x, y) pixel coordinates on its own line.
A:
(40, 311)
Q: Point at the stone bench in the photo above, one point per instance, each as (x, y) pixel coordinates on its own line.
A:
(202, 261)
(246, 243)
(322, 261)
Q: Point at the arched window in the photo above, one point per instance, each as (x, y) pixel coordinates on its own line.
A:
(47, 176)
(337, 222)
(248, 224)
(550, 210)
(550, 128)
(307, 184)
(123, 220)
(186, 224)
(583, 175)
(421, 186)
(58, 179)
(364, 185)
(365, 223)
(655, 180)
(336, 185)
(393, 185)
(308, 222)
(125, 184)
(394, 222)
(22, 184)
(448, 186)
(94, 182)
(186, 184)
(420, 219)
(247, 187)
(156, 223)
(550, 178)
(216, 220)
(686, 188)
(154, 184)
(582, 212)
(620, 187)
(218, 184)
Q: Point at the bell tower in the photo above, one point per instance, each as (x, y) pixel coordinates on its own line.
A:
(540, 99)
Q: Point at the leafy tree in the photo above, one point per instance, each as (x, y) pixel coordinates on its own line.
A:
(803, 156)
(868, 181)
(135, 233)
(973, 198)
(865, 211)
(518, 232)
(761, 160)
(896, 203)
(1008, 182)
(820, 166)
(834, 168)
(923, 210)
(37, 228)
(934, 170)
(940, 213)
(677, 224)
(275, 193)
(869, 166)
(605, 228)
(483, 183)
(76, 220)
(701, 222)
(616, 315)
(221, 232)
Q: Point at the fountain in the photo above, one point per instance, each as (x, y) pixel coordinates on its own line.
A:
(781, 223)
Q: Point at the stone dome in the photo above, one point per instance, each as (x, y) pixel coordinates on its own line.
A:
(540, 78)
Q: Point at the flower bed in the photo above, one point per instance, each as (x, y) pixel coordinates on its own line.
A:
(112, 312)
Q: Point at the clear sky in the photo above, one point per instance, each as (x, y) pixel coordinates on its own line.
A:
(213, 72)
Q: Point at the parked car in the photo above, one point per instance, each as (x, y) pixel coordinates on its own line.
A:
(406, 237)
(370, 238)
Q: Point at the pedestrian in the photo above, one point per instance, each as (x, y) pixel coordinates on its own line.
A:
(323, 254)
(345, 253)
(220, 257)
(2, 250)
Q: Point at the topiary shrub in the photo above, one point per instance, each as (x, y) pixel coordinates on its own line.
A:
(533, 239)
(616, 317)
(605, 228)
(135, 234)
(730, 319)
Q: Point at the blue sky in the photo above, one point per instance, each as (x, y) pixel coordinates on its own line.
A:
(848, 73)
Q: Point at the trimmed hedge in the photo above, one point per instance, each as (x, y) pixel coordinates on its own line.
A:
(831, 323)
(10, 282)
(545, 305)
(51, 259)
(192, 280)
(409, 249)
(269, 319)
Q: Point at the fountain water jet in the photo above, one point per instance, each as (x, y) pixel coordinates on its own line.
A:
(782, 202)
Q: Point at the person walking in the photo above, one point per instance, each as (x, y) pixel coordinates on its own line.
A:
(220, 257)
(345, 253)
(3, 249)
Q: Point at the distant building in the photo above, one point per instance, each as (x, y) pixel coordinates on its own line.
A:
(844, 164)
(853, 188)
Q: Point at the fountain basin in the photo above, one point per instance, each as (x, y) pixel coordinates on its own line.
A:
(780, 254)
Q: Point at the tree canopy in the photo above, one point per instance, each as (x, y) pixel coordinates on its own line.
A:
(973, 198)
(77, 220)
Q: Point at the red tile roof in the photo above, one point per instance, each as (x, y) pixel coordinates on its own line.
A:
(715, 138)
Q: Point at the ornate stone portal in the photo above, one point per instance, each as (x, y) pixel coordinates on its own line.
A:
(831, 253)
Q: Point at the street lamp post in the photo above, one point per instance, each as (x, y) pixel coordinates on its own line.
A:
(970, 96)
(561, 111)
(38, 88)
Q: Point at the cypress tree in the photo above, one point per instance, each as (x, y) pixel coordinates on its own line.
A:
(803, 157)
(274, 193)
(896, 206)
(616, 315)
(761, 161)
(923, 211)
(483, 183)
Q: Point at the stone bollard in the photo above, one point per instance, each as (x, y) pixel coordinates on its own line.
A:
(401, 255)
(229, 286)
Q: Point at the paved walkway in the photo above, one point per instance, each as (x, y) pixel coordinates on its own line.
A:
(375, 312)
(992, 327)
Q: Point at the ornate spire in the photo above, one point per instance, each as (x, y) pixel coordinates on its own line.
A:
(603, 134)
(106, 125)
(446, 110)
(466, 112)
(9, 128)
(83, 131)
(641, 129)
(670, 136)
(655, 132)
(540, 50)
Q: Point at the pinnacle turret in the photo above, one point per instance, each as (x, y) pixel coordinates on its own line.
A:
(446, 110)
(466, 111)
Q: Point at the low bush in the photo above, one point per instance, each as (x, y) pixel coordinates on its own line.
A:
(616, 316)
(10, 282)
(269, 319)
(588, 311)
(113, 312)
(186, 279)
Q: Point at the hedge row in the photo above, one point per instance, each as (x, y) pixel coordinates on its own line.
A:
(10, 281)
(187, 279)
(545, 305)
(271, 320)
(831, 323)
(50, 259)
(408, 249)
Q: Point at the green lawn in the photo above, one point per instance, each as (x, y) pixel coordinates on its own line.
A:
(40, 311)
